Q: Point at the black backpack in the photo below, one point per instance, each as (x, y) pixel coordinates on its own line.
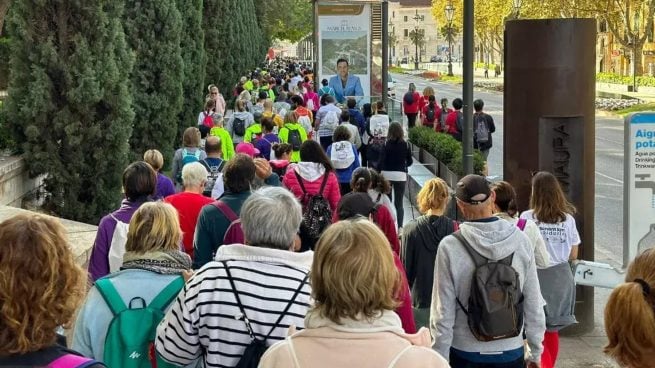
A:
(294, 139)
(375, 152)
(317, 215)
(495, 305)
(213, 172)
(409, 98)
(256, 349)
(481, 128)
(431, 114)
(239, 127)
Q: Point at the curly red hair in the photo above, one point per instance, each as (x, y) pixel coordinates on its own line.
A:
(41, 285)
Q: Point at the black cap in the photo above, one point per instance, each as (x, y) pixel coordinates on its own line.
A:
(473, 189)
(355, 204)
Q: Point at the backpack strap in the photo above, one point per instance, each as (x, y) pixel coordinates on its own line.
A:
(324, 183)
(166, 296)
(73, 361)
(225, 210)
(236, 296)
(302, 186)
(286, 309)
(521, 224)
(477, 258)
(110, 295)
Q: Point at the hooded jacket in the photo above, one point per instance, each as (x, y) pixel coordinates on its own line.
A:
(420, 242)
(494, 239)
(311, 174)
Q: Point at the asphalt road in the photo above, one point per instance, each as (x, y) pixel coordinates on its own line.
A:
(609, 163)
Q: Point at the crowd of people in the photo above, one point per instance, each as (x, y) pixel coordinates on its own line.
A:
(279, 239)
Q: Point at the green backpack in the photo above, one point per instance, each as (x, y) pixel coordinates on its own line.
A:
(131, 335)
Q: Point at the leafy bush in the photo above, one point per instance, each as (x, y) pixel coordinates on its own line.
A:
(444, 148)
(431, 75)
(6, 140)
(644, 80)
(4, 63)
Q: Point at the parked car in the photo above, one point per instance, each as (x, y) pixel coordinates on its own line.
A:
(434, 59)
(404, 60)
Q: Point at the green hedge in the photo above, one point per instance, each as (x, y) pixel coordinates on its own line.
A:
(4, 63)
(643, 80)
(444, 148)
(6, 140)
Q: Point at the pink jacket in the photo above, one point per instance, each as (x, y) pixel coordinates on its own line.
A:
(353, 343)
(312, 175)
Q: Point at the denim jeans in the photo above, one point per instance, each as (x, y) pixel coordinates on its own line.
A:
(457, 362)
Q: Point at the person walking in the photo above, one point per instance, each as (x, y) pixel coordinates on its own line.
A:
(294, 134)
(629, 315)
(357, 321)
(327, 120)
(420, 242)
(313, 175)
(483, 128)
(375, 136)
(189, 152)
(455, 120)
(139, 186)
(344, 158)
(153, 264)
(41, 282)
(553, 214)
(475, 326)
(397, 158)
(189, 202)
(239, 122)
(505, 208)
(165, 186)
(248, 294)
(411, 105)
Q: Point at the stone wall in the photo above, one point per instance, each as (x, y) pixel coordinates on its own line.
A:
(15, 185)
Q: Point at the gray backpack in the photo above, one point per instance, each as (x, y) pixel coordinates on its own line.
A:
(495, 305)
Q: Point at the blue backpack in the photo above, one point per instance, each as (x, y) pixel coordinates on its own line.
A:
(187, 158)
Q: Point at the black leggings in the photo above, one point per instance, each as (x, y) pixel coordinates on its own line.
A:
(411, 119)
(398, 194)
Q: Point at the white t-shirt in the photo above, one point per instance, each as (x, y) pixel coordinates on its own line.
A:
(560, 237)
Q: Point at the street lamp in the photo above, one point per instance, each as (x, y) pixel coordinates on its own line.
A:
(450, 13)
(417, 18)
(516, 5)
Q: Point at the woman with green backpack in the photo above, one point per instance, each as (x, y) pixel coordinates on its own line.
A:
(125, 307)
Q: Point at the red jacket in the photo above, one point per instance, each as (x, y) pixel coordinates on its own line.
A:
(412, 108)
(188, 206)
(383, 219)
(424, 102)
(331, 192)
(451, 124)
(424, 113)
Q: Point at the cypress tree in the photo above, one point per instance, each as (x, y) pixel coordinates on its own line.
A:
(69, 103)
(234, 41)
(153, 29)
(194, 61)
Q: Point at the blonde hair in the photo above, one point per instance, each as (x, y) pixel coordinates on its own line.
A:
(428, 91)
(191, 137)
(630, 315)
(291, 117)
(193, 174)
(433, 196)
(353, 273)
(154, 227)
(154, 158)
(41, 285)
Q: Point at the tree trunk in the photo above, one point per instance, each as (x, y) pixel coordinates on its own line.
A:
(638, 59)
(4, 6)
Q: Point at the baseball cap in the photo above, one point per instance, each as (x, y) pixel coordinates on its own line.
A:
(473, 189)
(248, 149)
(355, 204)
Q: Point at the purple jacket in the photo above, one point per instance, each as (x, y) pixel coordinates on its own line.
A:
(165, 186)
(99, 262)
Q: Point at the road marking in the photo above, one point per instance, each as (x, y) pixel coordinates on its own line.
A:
(609, 177)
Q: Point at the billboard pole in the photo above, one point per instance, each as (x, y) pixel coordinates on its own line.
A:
(467, 137)
(385, 51)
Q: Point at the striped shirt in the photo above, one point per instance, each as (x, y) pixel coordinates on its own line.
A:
(206, 320)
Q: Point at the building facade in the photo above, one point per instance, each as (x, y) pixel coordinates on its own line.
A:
(406, 16)
(613, 57)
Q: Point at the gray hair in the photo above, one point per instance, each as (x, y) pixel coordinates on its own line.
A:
(270, 218)
(193, 174)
